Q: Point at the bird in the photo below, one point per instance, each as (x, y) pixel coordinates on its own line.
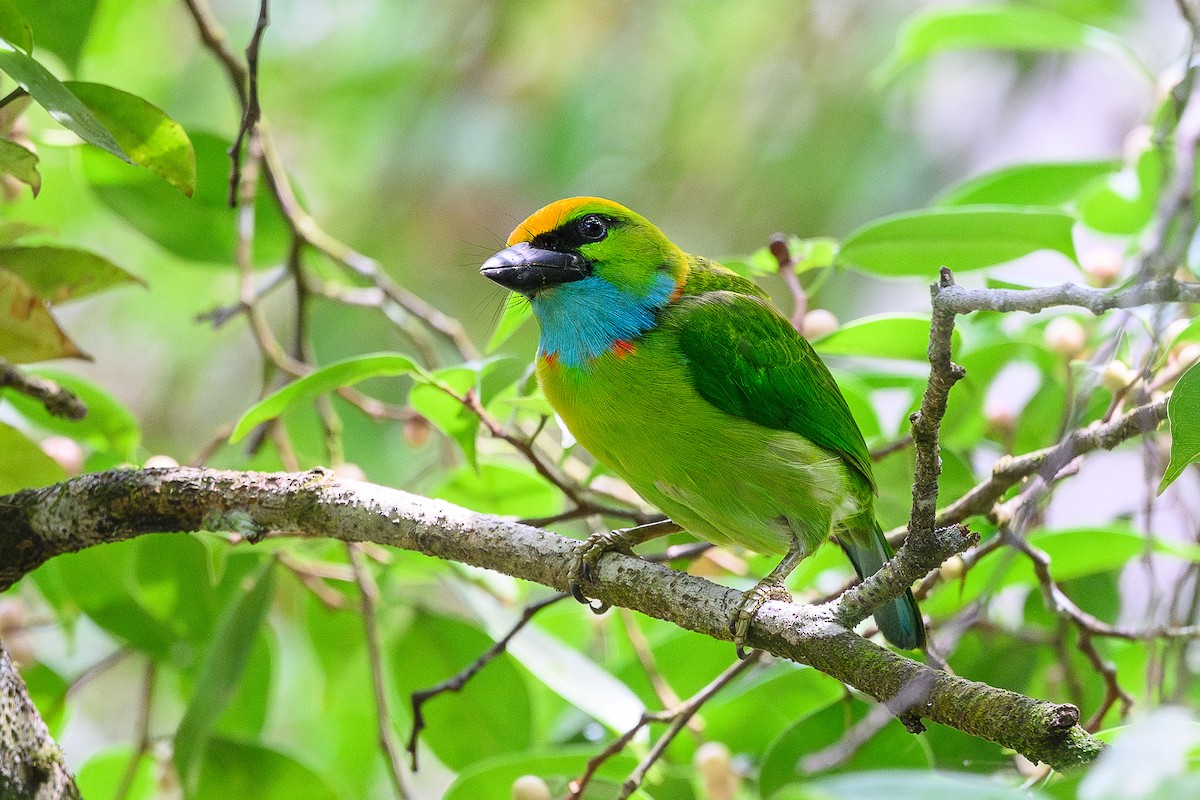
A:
(681, 377)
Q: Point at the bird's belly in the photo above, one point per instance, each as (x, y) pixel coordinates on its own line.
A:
(723, 478)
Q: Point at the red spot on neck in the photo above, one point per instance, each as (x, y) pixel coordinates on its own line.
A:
(551, 359)
(678, 293)
(622, 348)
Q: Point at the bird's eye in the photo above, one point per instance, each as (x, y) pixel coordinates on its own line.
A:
(592, 228)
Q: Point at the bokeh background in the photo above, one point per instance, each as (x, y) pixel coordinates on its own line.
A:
(422, 132)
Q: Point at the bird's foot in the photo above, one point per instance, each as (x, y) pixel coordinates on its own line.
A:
(586, 557)
(769, 588)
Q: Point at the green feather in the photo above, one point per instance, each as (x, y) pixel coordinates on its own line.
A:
(747, 360)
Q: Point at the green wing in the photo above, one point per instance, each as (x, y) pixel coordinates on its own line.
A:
(747, 360)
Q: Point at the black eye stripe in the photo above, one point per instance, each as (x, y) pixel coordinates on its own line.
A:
(576, 233)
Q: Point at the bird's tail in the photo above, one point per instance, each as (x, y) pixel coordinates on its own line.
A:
(900, 620)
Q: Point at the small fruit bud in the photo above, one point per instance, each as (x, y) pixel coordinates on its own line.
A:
(1137, 141)
(999, 417)
(1187, 354)
(530, 787)
(66, 452)
(1065, 336)
(1102, 264)
(817, 323)
(1172, 331)
(713, 761)
(1117, 376)
(160, 461)
(13, 631)
(417, 431)
(952, 569)
(12, 615)
(1168, 79)
(349, 472)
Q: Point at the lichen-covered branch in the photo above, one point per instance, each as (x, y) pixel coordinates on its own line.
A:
(31, 765)
(1010, 470)
(952, 298)
(58, 401)
(915, 559)
(943, 374)
(36, 525)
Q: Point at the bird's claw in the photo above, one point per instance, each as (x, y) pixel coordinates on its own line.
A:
(752, 601)
(584, 562)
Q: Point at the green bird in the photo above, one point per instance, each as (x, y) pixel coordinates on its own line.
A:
(681, 377)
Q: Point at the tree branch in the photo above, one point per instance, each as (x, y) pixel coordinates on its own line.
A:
(31, 765)
(58, 401)
(36, 525)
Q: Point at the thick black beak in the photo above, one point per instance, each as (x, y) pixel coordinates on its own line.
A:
(525, 268)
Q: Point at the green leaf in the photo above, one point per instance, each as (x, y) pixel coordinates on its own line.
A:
(109, 426)
(961, 238)
(14, 28)
(494, 706)
(445, 412)
(904, 336)
(1154, 758)
(48, 690)
(1125, 202)
(824, 727)
(102, 774)
(517, 311)
(102, 583)
(994, 26)
(896, 784)
(773, 701)
(23, 465)
(150, 138)
(323, 381)
(806, 254)
(27, 331)
(493, 778)
(62, 25)
(20, 163)
(244, 769)
(1183, 411)
(57, 99)
(1079, 552)
(579, 680)
(221, 672)
(61, 274)
(1054, 184)
(501, 489)
(1189, 334)
(202, 228)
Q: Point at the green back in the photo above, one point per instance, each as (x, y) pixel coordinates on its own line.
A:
(747, 360)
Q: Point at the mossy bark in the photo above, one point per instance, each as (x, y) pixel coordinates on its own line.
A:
(36, 525)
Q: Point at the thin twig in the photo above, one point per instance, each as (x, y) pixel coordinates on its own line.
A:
(58, 401)
(251, 110)
(458, 681)
(641, 648)
(304, 226)
(1011, 470)
(370, 596)
(142, 744)
(678, 717)
(910, 696)
(787, 271)
(1113, 692)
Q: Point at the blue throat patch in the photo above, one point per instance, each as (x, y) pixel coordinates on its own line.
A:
(584, 319)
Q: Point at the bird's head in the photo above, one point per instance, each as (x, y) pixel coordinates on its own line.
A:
(575, 244)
